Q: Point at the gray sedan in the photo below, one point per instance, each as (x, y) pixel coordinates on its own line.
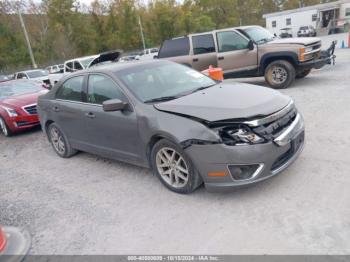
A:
(185, 126)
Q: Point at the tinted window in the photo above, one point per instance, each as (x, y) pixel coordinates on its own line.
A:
(69, 67)
(274, 23)
(77, 66)
(71, 89)
(231, 41)
(175, 47)
(102, 88)
(21, 75)
(288, 21)
(203, 44)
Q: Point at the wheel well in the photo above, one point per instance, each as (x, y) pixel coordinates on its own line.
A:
(269, 60)
(154, 139)
(48, 122)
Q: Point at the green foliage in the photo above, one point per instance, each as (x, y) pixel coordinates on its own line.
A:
(62, 29)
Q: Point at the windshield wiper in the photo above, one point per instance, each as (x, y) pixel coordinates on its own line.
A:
(161, 99)
(201, 88)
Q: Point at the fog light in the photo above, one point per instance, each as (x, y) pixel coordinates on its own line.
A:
(243, 172)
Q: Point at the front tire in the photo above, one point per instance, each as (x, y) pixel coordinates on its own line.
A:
(280, 74)
(174, 168)
(303, 74)
(4, 128)
(59, 141)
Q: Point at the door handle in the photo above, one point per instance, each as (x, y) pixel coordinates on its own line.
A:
(221, 58)
(90, 115)
(195, 59)
(56, 109)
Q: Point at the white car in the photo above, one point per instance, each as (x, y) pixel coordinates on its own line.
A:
(149, 54)
(38, 75)
(84, 62)
(54, 69)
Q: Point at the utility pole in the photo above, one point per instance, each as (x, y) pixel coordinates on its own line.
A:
(142, 37)
(27, 39)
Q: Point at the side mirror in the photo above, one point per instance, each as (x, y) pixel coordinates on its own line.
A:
(113, 105)
(250, 45)
(275, 34)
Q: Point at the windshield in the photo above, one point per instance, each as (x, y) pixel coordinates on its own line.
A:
(86, 62)
(37, 73)
(14, 89)
(163, 80)
(259, 35)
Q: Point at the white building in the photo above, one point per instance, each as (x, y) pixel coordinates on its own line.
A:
(326, 18)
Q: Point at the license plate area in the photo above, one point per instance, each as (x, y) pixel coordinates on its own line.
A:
(297, 141)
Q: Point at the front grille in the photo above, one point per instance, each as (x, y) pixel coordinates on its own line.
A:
(273, 129)
(31, 109)
(315, 46)
(294, 147)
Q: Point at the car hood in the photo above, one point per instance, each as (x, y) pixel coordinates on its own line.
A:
(22, 100)
(227, 101)
(299, 40)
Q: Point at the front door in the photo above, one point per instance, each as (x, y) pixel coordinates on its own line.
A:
(112, 134)
(233, 52)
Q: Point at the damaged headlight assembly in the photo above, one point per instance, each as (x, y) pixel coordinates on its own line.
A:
(240, 135)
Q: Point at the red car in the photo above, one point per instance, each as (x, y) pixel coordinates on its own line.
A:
(18, 99)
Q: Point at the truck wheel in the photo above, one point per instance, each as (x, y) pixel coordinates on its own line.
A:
(303, 74)
(280, 74)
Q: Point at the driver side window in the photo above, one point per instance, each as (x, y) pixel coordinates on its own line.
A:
(101, 88)
(231, 41)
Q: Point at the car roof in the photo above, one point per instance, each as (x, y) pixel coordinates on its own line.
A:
(115, 67)
(82, 58)
(33, 70)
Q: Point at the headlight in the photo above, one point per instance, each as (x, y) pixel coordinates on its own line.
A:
(308, 49)
(241, 135)
(10, 111)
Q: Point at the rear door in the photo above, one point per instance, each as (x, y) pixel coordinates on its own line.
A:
(177, 50)
(233, 53)
(67, 109)
(112, 134)
(203, 51)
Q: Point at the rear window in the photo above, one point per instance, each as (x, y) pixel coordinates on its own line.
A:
(203, 44)
(175, 47)
(304, 28)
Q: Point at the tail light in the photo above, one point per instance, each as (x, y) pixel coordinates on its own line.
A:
(3, 240)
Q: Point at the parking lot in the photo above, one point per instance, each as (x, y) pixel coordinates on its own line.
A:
(90, 205)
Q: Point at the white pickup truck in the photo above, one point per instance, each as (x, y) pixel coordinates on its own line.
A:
(85, 62)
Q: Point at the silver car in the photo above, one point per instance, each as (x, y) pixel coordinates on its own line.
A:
(185, 126)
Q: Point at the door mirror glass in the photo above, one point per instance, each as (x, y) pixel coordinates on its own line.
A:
(113, 105)
(251, 45)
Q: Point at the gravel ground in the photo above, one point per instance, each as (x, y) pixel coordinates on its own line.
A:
(90, 205)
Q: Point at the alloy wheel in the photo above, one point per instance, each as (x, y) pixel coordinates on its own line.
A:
(57, 140)
(3, 127)
(279, 75)
(172, 167)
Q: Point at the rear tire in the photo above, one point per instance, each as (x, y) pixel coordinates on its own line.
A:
(174, 168)
(303, 74)
(59, 141)
(280, 74)
(4, 128)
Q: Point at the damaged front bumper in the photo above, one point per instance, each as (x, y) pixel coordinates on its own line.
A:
(247, 164)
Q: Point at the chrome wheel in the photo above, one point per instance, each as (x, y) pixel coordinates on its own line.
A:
(172, 167)
(3, 127)
(57, 140)
(279, 74)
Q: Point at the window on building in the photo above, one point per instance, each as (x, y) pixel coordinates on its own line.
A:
(347, 11)
(288, 21)
(274, 23)
(314, 17)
